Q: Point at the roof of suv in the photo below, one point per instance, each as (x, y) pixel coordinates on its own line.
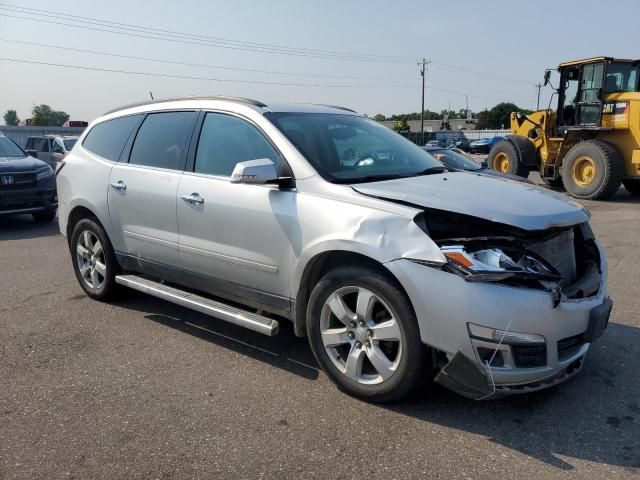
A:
(271, 107)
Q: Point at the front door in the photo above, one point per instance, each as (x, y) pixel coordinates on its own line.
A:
(590, 95)
(142, 191)
(237, 236)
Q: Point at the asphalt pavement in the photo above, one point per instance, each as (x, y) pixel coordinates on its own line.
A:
(145, 389)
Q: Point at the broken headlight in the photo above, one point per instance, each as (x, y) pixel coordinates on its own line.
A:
(495, 264)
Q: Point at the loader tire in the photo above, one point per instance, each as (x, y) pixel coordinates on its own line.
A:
(592, 170)
(505, 158)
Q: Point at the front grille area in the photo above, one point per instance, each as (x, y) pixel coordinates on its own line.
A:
(569, 346)
(560, 252)
(19, 180)
(529, 356)
(28, 199)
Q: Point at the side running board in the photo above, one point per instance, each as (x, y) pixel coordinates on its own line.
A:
(237, 316)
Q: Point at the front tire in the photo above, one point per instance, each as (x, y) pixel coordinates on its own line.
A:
(94, 261)
(592, 170)
(364, 334)
(504, 158)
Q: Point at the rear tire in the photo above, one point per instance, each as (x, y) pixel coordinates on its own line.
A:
(44, 217)
(368, 362)
(504, 158)
(94, 261)
(592, 170)
(632, 186)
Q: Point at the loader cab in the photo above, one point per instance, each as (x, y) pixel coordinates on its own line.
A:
(584, 86)
(581, 94)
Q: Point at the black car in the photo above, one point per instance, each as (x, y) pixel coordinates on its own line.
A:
(455, 159)
(27, 185)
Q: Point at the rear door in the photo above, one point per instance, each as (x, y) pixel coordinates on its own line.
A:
(143, 187)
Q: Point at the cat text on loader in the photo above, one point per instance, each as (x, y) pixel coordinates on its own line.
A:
(591, 143)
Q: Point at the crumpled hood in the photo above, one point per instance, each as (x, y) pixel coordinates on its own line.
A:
(22, 164)
(519, 204)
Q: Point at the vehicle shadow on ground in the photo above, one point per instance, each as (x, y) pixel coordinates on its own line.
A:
(23, 227)
(285, 351)
(593, 417)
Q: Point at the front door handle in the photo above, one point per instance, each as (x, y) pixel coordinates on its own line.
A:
(119, 185)
(193, 199)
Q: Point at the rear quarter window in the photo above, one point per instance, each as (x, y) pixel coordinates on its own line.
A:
(107, 139)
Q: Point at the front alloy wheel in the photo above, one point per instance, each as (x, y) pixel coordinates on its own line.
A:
(365, 345)
(364, 333)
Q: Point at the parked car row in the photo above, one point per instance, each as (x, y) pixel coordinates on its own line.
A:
(51, 149)
(27, 185)
(391, 263)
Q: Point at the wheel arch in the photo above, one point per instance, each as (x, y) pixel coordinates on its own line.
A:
(322, 263)
(77, 213)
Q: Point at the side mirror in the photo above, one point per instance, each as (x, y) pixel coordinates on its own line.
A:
(547, 77)
(255, 172)
(32, 153)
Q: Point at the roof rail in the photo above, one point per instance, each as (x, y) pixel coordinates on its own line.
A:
(248, 101)
(336, 106)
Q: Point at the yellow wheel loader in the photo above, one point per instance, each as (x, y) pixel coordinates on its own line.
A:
(591, 142)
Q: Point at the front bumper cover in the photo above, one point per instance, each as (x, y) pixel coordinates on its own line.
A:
(444, 303)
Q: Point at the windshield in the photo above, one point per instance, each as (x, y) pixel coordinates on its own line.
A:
(352, 149)
(9, 149)
(69, 143)
(453, 159)
(622, 77)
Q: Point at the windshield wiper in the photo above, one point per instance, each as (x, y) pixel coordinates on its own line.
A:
(430, 171)
(368, 178)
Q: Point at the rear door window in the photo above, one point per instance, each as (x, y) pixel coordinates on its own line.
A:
(107, 139)
(162, 140)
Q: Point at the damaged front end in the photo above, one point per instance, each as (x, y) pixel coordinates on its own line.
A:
(564, 261)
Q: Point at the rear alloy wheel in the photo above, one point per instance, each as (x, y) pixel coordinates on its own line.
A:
(94, 262)
(592, 170)
(364, 334)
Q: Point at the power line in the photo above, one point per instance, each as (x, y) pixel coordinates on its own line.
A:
(221, 67)
(189, 77)
(174, 39)
(449, 67)
(56, 14)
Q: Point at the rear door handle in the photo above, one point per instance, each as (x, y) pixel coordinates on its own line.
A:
(119, 185)
(193, 199)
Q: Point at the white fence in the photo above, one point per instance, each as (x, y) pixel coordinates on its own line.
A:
(478, 134)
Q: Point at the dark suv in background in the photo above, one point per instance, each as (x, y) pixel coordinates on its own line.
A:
(27, 185)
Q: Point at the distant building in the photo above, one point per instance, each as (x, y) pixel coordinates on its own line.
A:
(26, 122)
(456, 124)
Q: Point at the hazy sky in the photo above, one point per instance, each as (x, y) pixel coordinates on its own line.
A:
(490, 51)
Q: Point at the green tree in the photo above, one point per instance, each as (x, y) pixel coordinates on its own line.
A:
(58, 118)
(499, 116)
(43, 115)
(378, 117)
(11, 118)
(401, 126)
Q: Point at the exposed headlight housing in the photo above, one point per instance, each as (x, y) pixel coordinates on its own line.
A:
(44, 172)
(495, 264)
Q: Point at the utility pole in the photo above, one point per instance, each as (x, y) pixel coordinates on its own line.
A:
(423, 69)
(539, 86)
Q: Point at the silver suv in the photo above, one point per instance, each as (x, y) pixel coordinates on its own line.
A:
(391, 265)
